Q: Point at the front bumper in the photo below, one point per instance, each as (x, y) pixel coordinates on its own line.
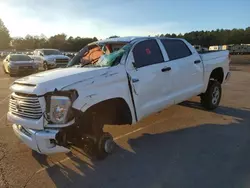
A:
(42, 141)
(57, 65)
(22, 71)
(51, 65)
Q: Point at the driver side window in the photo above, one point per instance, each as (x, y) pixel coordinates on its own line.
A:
(147, 53)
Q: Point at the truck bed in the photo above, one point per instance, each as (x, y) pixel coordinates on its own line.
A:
(214, 55)
(205, 52)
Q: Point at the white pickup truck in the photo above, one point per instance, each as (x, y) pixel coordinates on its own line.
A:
(114, 81)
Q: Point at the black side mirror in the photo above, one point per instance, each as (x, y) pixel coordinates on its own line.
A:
(41, 54)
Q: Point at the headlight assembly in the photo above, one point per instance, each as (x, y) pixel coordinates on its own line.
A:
(59, 106)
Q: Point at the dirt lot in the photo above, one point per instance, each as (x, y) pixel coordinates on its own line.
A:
(241, 62)
(182, 146)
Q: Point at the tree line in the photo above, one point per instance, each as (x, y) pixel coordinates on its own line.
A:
(215, 37)
(69, 43)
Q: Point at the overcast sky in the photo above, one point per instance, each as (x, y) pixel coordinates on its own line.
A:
(103, 18)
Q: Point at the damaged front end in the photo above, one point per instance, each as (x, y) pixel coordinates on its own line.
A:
(37, 120)
(60, 115)
(59, 111)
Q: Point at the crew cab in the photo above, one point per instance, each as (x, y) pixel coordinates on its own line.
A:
(50, 58)
(114, 81)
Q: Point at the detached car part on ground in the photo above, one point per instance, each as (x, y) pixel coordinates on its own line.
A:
(115, 81)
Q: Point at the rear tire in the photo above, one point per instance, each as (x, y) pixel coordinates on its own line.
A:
(211, 99)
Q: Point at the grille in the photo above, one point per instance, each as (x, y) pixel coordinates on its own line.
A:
(62, 61)
(25, 106)
(25, 67)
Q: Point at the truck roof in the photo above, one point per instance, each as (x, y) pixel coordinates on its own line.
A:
(129, 39)
(120, 39)
(47, 49)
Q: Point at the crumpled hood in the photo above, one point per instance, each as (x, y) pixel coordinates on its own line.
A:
(56, 57)
(48, 81)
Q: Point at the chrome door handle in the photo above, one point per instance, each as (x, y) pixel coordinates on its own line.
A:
(197, 61)
(135, 80)
(165, 69)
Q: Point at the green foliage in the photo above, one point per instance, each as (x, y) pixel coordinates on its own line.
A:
(4, 36)
(59, 41)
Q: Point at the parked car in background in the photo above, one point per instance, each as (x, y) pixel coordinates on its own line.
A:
(70, 54)
(50, 58)
(239, 49)
(199, 48)
(114, 81)
(215, 48)
(15, 64)
(38, 61)
(3, 54)
(29, 53)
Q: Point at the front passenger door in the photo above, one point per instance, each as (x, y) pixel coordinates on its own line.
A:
(150, 78)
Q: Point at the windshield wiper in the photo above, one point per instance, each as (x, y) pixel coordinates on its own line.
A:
(83, 64)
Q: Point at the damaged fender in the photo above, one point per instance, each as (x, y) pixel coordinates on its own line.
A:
(109, 85)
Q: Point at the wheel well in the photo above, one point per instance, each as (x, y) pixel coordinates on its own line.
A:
(217, 74)
(112, 111)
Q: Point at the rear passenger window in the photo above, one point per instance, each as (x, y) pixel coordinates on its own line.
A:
(147, 53)
(175, 48)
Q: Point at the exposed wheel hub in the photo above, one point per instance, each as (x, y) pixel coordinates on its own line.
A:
(215, 95)
(109, 146)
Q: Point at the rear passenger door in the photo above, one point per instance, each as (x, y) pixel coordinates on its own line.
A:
(187, 69)
(151, 80)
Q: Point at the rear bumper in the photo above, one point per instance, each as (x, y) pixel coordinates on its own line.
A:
(40, 141)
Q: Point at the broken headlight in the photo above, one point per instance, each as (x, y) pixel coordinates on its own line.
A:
(59, 108)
